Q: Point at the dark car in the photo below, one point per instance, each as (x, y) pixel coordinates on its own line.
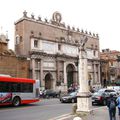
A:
(51, 93)
(69, 98)
(102, 95)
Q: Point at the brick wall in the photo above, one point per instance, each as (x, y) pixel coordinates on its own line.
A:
(14, 66)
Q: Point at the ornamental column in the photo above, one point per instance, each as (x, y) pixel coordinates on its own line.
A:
(57, 69)
(84, 103)
(65, 77)
(95, 74)
(33, 68)
(41, 74)
(99, 73)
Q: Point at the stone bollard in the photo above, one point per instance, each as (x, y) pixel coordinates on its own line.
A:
(77, 118)
(74, 108)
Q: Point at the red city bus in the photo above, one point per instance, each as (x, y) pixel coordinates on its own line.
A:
(17, 91)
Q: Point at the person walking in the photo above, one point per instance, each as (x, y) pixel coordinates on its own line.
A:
(118, 105)
(111, 104)
(104, 83)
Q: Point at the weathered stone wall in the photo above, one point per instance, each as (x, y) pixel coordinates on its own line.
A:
(28, 27)
(14, 66)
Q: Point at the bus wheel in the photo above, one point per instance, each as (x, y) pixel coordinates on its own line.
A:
(16, 101)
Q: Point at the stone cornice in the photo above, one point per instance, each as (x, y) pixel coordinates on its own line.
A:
(58, 41)
(59, 26)
(38, 54)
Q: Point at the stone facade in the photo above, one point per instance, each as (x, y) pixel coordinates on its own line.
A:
(53, 50)
(110, 66)
(10, 64)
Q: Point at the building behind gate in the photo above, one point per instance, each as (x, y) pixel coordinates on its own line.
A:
(53, 50)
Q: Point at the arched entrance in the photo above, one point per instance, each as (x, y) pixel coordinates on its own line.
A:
(48, 81)
(70, 74)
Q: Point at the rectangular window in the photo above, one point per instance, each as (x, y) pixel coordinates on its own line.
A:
(26, 87)
(59, 47)
(94, 52)
(49, 47)
(36, 43)
(4, 87)
(111, 63)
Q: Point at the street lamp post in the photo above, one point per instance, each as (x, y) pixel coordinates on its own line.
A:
(84, 96)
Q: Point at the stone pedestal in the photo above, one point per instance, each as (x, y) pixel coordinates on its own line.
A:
(84, 103)
(64, 87)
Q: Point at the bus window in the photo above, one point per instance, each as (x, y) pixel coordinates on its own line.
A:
(4, 87)
(9, 86)
(27, 87)
(15, 87)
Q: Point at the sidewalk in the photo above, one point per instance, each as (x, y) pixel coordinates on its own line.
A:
(100, 113)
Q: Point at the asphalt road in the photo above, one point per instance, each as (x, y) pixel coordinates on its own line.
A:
(47, 109)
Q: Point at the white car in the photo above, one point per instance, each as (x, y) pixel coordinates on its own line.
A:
(116, 88)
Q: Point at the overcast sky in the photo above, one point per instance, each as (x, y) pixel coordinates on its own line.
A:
(97, 16)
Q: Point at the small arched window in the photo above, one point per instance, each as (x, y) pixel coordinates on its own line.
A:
(17, 39)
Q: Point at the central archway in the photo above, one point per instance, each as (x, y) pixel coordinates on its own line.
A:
(48, 81)
(70, 74)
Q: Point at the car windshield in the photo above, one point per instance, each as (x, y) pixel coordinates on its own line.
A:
(116, 87)
(73, 93)
(101, 90)
(97, 93)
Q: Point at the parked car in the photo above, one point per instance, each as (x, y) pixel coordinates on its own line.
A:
(69, 98)
(102, 95)
(51, 93)
(117, 88)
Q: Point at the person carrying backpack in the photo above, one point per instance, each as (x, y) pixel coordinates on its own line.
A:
(118, 105)
(111, 104)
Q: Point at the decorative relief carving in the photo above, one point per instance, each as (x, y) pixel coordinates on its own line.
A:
(57, 17)
(48, 64)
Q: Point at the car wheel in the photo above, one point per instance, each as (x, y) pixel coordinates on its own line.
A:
(16, 101)
(104, 102)
(73, 101)
(62, 101)
(47, 96)
(57, 96)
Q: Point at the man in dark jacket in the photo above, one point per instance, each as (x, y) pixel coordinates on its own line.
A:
(111, 104)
